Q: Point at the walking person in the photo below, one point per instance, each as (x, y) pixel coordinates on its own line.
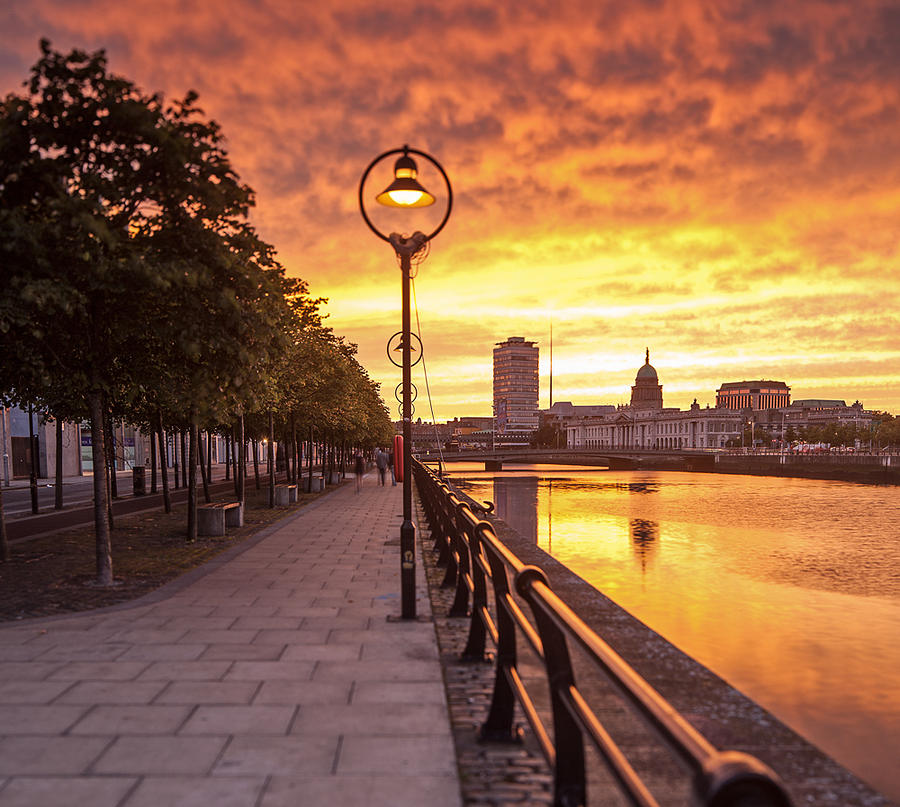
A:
(381, 462)
(390, 455)
(359, 469)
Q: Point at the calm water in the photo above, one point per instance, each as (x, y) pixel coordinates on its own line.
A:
(787, 588)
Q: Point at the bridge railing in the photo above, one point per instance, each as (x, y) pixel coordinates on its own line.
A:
(478, 565)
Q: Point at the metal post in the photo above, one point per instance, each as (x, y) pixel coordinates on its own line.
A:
(407, 529)
(3, 449)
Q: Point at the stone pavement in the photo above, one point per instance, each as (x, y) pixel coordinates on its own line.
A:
(269, 677)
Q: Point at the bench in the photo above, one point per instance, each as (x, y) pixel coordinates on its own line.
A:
(285, 495)
(212, 519)
(316, 486)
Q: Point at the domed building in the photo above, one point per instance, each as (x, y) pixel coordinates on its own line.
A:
(647, 391)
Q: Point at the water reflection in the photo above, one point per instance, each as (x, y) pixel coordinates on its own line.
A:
(788, 588)
(644, 539)
(515, 501)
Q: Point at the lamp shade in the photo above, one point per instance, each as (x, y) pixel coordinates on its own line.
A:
(405, 190)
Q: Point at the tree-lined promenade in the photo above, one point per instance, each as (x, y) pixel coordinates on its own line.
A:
(135, 289)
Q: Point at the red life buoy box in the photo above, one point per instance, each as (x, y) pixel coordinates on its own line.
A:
(398, 457)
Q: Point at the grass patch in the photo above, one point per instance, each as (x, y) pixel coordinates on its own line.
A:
(55, 574)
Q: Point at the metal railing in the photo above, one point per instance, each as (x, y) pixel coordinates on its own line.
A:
(477, 561)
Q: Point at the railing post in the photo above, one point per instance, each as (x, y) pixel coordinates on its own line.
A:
(475, 644)
(569, 774)
(460, 547)
(499, 727)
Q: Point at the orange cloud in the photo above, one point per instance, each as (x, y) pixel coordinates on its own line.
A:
(717, 181)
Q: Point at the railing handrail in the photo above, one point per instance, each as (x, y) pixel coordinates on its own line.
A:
(471, 547)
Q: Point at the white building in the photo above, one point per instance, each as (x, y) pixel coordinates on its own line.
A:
(645, 423)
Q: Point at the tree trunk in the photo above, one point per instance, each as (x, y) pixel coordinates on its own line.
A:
(271, 459)
(33, 471)
(204, 471)
(184, 464)
(101, 501)
(309, 459)
(152, 460)
(255, 445)
(175, 457)
(192, 480)
(110, 454)
(163, 462)
(59, 465)
(209, 442)
(4, 541)
(293, 456)
(241, 471)
(228, 453)
(112, 487)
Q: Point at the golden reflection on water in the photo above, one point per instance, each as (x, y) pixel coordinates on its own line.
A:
(787, 588)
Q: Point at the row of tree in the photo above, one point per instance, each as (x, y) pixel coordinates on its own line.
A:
(882, 433)
(134, 287)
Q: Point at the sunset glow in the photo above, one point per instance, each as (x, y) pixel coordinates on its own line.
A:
(717, 181)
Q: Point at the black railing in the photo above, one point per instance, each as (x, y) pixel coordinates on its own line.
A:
(475, 560)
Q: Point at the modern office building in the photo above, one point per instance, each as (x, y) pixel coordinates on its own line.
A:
(516, 386)
(753, 395)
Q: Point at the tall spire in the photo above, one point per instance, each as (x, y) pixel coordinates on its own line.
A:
(647, 360)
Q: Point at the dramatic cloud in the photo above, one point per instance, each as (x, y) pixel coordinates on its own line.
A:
(717, 181)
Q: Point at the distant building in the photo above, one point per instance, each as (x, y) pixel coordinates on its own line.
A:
(645, 423)
(754, 395)
(647, 391)
(515, 388)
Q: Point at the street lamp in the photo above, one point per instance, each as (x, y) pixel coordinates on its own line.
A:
(406, 192)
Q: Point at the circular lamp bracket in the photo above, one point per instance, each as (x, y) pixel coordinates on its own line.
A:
(413, 392)
(404, 150)
(395, 345)
(412, 409)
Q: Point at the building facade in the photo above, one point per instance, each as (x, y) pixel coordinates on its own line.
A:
(753, 395)
(516, 386)
(646, 424)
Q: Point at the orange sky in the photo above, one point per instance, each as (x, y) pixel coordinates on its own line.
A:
(719, 181)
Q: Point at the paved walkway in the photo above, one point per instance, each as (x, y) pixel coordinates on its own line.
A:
(273, 679)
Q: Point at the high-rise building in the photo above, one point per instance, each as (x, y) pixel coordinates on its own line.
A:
(516, 385)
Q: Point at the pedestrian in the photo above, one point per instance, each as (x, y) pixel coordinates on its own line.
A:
(391, 466)
(381, 462)
(359, 468)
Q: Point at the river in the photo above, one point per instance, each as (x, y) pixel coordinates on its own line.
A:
(787, 588)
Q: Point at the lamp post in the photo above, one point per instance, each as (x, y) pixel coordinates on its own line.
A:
(406, 192)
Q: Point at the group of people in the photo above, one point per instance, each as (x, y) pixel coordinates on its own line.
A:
(384, 460)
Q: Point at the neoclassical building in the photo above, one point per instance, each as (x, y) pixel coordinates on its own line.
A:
(646, 423)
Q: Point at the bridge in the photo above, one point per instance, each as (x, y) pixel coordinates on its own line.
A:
(878, 468)
(613, 458)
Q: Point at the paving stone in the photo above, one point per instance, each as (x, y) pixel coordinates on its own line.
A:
(204, 692)
(19, 691)
(197, 791)
(384, 755)
(31, 719)
(107, 692)
(278, 755)
(243, 652)
(304, 692)
(24, 756)
(256, 719)
(116, 720)
(98, 671)
(207, 670)
(160, 755)
(361, 791)
(66, 791)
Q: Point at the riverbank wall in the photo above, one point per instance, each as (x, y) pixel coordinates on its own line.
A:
(846, 468)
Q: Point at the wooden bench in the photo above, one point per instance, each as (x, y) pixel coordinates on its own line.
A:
(212, 519)
(285, 495)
